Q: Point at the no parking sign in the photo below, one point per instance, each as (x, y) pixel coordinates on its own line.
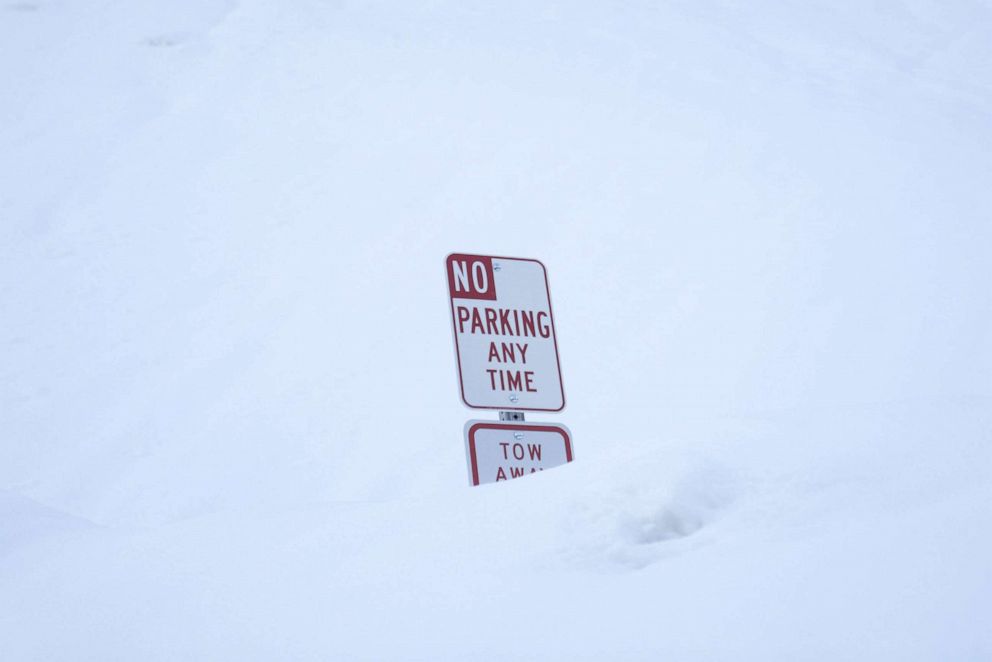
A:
(504, 331)
(506, 350)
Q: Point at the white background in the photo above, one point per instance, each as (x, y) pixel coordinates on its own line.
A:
(229, 423)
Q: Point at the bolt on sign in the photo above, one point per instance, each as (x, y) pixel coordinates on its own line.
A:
(504, 331)
(504, 451)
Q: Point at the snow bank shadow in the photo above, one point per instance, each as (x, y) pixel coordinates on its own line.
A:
(649, 515)
(23, 521)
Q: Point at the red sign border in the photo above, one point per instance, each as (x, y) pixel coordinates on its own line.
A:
(473, 426)
(454, 332)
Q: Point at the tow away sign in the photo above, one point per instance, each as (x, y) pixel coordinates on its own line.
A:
(503, 451)
(504, 332)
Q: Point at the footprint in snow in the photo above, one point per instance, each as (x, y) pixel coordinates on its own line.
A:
(651, 514)
(165, 40)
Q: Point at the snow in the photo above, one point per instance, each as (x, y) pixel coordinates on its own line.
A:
(229, 418)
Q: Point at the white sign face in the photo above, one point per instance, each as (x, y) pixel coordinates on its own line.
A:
(503, 451)
(505, 341)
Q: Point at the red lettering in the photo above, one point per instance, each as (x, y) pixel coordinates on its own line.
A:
(545, 327)
(504, 445)
(504, 322)
(528, 320)
(493, 353)
(509, 355)
(519, 447)
(516, 472)
(497, 322)
(523, 352)
(534, 450)
(500, 475)
(513, 380)
(510, 380)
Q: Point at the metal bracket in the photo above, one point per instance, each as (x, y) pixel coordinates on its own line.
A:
(511, 416)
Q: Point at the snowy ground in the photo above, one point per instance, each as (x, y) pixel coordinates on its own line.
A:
(229, 421)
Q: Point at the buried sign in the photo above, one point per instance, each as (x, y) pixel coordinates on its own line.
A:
(502, 451)
(504, 332)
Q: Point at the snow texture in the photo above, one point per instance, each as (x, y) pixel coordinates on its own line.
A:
(229, 421)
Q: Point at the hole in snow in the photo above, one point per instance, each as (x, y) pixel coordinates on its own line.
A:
(666, 524)
(647, 510)
(164, 41)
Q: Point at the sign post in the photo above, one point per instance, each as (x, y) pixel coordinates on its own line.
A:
(506, 350)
